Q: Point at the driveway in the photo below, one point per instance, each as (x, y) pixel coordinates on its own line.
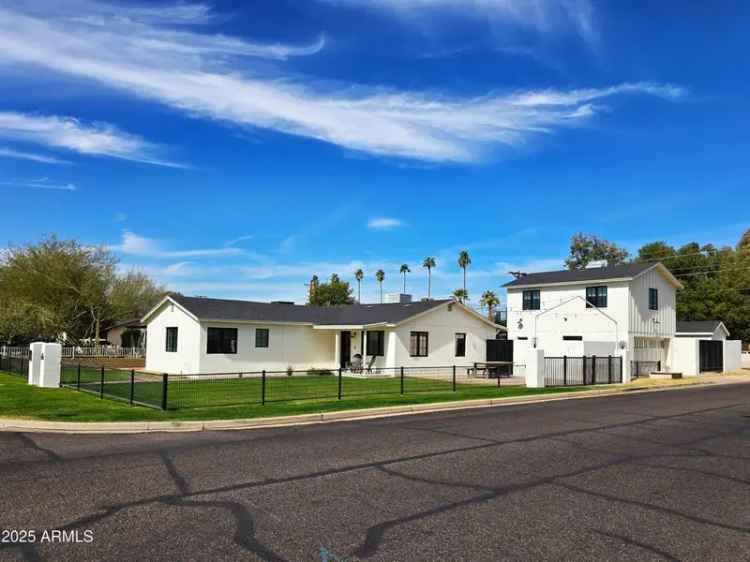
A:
(662, 476)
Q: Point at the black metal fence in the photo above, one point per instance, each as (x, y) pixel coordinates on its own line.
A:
(172, 392)
(644, 368)
(15, 364)
(117, 384)
(579, 371)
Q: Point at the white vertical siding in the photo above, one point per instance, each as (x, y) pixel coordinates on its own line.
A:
(185, 359)
(652, 323)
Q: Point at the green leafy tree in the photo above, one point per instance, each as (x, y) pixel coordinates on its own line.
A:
(585, 248)
(132, 295)
(333, 293)
(65, 284)
(461, 295)
(464, 261)
(359, 275)
(490, 301)
(429, 263)
(403, 271)
(380, 277)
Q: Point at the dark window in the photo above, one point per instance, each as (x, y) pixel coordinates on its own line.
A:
(222, 340)
(596, 297)
(171, 340)
(418, 344)
(261, 337)
(532, 300)
(460, 345)
(376, 344)
(572, 338)
(653, 299)
(523, 338)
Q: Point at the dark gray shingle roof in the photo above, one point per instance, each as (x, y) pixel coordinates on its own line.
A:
(697, 326)
(356, 314)
(625, 270)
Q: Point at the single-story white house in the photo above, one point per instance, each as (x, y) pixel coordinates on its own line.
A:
(191, 335)
(628, 309)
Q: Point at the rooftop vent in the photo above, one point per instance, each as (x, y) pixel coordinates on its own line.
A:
(399, 298)
(596, 264)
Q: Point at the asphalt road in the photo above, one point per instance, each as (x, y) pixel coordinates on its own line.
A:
(661, 476)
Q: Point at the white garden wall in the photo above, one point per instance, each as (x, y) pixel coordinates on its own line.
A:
(732, 355)
(685, 356)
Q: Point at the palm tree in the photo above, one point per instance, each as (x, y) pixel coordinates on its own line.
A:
(464, 261)
(429, 263)
(461, 295)
(403, 271)
(359, 275)
(490, 300)
(380, 276)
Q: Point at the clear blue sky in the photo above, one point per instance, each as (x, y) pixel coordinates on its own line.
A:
(235, 149)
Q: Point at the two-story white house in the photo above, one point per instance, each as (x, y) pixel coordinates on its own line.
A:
(598, 311)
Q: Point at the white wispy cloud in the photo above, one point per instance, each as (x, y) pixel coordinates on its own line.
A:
(239, 239)
(135, 245)
(542, 16)
(97, 139)
(384, 223)
(40, 183)
(41, 158)
(211, 77)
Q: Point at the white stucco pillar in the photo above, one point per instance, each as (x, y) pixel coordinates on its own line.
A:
(35, 362)
(51, 363)
(535, 368)
(626, 374)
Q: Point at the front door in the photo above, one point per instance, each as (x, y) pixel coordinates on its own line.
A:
(346, 349)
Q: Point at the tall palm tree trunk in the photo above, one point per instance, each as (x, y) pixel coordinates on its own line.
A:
(429, 282)
(464, 279)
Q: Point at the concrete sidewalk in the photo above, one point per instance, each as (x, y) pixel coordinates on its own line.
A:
(15, 425)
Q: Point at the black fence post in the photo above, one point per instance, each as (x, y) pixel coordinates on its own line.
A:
(132, 385)
(565, 370)
(621, 375)
(78, 378)
(101, 385)
(339, 383)
(454, 378)
(593, 370)
(402, 380)
(609, 369)
(658, 366)
(164, 385)
(584, 370)
(263, 388)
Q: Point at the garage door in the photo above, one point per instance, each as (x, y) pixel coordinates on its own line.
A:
(711, 355)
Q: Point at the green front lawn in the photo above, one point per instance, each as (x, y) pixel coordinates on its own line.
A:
(234, 399)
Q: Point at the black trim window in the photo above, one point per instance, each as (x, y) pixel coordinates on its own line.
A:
(171, 340)
(653, 299)
(418, 344)
(522, 338)
(261, 337)
(460, 345)
(596, 297)
(572, 338)
(376, 343)
(222, 340)
(532, 300)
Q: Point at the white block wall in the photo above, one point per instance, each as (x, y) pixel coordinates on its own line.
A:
(686, 356)
(732, 355)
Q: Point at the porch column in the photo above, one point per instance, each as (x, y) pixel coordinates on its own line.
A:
(337, 348)
(390, 349)
(363, 347)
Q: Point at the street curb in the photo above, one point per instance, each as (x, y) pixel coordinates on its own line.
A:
(40, 426)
